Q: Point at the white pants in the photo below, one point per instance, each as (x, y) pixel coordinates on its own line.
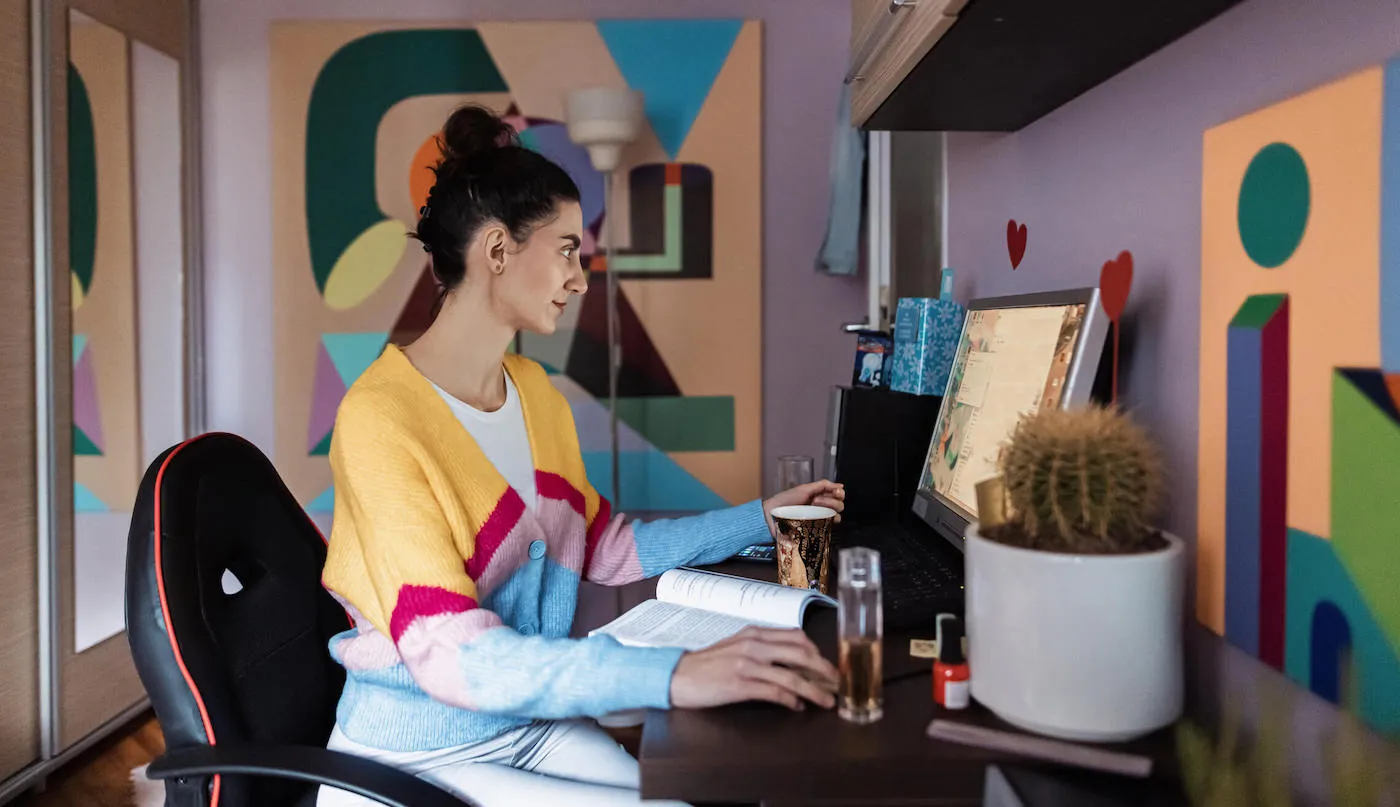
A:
(564, 763)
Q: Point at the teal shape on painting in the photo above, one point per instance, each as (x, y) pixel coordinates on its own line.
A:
(353, 353)
(695, 423)
(673, 63)
(79, 345)
(325, 503)
(1366, 496)
(1316, 576)
(1275, 197)
(83, 446)
(85, 501)
(650, 481)
(353, 91)
(82, 181)
(323, 448)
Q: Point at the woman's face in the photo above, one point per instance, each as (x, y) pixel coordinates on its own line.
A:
(539, 276)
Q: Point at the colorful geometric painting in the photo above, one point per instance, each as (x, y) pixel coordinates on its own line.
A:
(107, 462)
(1299, 457)
(356, 108)
(106, 422)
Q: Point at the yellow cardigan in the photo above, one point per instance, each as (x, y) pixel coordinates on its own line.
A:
(463, 595)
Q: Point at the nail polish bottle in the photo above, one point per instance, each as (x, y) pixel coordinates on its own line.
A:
(951, 678)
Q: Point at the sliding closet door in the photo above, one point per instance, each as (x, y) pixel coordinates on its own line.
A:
(119, 220)
(19, 597)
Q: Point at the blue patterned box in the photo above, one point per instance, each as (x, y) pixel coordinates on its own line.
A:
(926, 332)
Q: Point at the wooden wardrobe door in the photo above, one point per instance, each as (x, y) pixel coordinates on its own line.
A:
(19, 598)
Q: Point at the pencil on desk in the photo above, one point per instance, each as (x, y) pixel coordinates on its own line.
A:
(1121, 763)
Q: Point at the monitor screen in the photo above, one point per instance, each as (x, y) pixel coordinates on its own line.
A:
(1011, 361)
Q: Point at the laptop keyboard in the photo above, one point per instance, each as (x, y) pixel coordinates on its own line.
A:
(919, 581)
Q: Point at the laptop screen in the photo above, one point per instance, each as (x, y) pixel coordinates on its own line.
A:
(1010, 362)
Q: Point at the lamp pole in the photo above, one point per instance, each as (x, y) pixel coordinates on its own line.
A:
(604, 120)
(614, 339)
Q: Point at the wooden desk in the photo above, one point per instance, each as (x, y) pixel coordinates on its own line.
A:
(759, 753)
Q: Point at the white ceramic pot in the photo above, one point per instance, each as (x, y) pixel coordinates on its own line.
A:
(1082, 647)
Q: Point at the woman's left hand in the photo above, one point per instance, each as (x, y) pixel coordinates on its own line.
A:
(822, 493)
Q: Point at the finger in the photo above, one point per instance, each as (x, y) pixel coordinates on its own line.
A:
(757, 690)
(792, 682)
(748, 633)
(795, 650)
(830, 501)
(812, 490)
(810, 666)
(778, 635)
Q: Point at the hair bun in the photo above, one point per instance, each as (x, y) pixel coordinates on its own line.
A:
(472, 130)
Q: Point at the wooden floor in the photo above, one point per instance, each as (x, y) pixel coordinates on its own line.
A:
(101, 776)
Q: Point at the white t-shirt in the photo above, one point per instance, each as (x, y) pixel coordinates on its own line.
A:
(502, 437)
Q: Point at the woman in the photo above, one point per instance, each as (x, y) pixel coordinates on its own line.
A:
(464, 523)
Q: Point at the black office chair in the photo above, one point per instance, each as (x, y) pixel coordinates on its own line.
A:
(242, 683)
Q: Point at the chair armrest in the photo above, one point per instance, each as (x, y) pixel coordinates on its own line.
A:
(374, 780)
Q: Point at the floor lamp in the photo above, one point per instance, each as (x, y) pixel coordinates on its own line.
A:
(604, 120)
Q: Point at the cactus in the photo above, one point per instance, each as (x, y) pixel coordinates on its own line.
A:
(1085, 480)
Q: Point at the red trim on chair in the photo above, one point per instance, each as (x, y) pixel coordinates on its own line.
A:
(165, 612)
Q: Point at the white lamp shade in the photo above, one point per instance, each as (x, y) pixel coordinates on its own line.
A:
(603, 120)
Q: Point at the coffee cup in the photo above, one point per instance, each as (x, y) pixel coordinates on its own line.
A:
(804, 545)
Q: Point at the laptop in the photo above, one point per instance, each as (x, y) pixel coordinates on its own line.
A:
(1016, 355)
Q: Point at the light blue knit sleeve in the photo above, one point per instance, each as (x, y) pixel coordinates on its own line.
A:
(697, 540)
(551, 679)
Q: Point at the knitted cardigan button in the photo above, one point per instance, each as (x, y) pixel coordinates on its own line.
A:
(536, 549)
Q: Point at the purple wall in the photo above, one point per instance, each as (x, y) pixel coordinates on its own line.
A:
(806, 46)
(1120, 168)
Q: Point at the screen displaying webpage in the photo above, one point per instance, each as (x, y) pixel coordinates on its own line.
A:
(1010, 362)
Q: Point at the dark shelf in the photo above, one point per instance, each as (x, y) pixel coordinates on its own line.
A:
(1005, 63)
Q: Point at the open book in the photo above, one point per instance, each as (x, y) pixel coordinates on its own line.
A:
(695, 609)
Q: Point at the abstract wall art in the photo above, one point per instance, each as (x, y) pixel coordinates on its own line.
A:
(1299, 460)
(107, 462)
(356, 108)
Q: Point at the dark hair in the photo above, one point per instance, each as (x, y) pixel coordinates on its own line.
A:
(485, 175)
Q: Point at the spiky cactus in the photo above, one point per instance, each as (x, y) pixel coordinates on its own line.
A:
(1083, 480)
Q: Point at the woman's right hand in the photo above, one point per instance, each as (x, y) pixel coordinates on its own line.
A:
(767, 664)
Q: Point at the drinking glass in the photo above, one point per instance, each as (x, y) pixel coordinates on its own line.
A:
(793, 470)
(861, 634)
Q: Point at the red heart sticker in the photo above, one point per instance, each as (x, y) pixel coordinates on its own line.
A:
(1015, 242)
(1115, 281)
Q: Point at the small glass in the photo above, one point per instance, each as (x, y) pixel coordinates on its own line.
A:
(861, 697)
(793, 470)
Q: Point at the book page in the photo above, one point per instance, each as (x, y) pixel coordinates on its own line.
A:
(751, 600)
(663, 624)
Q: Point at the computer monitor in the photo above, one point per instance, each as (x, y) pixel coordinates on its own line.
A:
(1016, 355)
